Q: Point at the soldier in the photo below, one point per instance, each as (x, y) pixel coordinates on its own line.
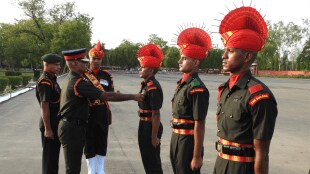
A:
(247, 109)
(78, 88)
(150, 127)
(99, 116)
(48, 95)
(189, 104)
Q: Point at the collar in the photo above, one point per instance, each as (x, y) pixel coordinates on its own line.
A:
(242, 82)
(191, 77)
(95, 70)
(49, 75)
(234, 78)
(147, 80)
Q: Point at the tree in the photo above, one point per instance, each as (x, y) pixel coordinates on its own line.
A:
(161, 43)
(304, 58)
(125, 55)
(172, 57)
(213, 60)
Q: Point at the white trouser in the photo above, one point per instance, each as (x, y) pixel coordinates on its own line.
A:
(95, 165)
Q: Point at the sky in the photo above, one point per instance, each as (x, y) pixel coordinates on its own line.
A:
(135, 20)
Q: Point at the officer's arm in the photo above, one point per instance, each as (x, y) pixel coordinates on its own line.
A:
(261, 156)
(115, 96)
(199, 131)
(45, 114)
(155, 126)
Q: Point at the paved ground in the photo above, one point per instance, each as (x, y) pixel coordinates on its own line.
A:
(20, 147)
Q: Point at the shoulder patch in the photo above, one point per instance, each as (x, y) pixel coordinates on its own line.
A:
(196, 90)
(256, 88)
(195, 83)
(151, 88)
(150, 83)
(46, 81)
(257, 98)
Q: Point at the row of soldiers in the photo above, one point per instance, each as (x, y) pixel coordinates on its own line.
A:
(78, 115)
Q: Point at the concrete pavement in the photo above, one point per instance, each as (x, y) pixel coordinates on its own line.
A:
(20, 144)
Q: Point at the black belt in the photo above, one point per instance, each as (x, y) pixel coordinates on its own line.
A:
(176, 125)
(236, 151)
(149, 114)
(78, 122)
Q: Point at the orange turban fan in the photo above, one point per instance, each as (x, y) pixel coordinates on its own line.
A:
(96, 52)
(194, 43)
(150, 55)
(244, 28)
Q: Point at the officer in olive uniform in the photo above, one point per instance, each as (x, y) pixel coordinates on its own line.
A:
(99, 116)
(247, 109)
(150, 129)
(48, 95)
(78, 88)
(189, 104)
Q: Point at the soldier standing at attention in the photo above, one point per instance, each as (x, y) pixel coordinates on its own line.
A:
(247, 109)
(78, 88)
(48, 95)
(189, 104)
(99, 116)
(150, 128)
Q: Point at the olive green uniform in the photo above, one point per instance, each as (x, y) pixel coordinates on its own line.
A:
(246, 112)
(74, 111)
(153, 101)
(190, 102)
(48, 90)
(99, 120)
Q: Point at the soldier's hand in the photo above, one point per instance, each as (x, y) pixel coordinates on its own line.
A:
(49, 134)
(138, 97)
(155, 142)
(196, 163)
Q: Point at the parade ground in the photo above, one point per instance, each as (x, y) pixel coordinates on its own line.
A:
(20, 142)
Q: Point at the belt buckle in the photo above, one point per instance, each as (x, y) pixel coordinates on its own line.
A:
(219, 146)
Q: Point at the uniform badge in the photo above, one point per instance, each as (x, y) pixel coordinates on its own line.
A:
(104, 82)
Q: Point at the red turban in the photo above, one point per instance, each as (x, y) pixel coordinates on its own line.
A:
(150, 55)
(96, 52)
(194, 43)
(244, 28)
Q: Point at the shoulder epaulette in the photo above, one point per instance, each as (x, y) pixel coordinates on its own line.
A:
(150, 83)
(256, 88)
(106, 71)
(195, 82)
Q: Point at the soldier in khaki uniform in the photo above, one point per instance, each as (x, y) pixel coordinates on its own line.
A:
(78, 88)
(48, 95)
(189, 104)
(247, 109)
(150, 128)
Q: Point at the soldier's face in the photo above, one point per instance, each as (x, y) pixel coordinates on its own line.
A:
(53, 68)
(145, 72)
(233, 60)
(186, 64)
(95, 62)
(82, 66)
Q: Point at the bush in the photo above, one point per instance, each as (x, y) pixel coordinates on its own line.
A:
(15, 81)
(13, 73)
(3, 83)
(26, 79)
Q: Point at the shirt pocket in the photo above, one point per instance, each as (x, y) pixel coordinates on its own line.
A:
(234, 113)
